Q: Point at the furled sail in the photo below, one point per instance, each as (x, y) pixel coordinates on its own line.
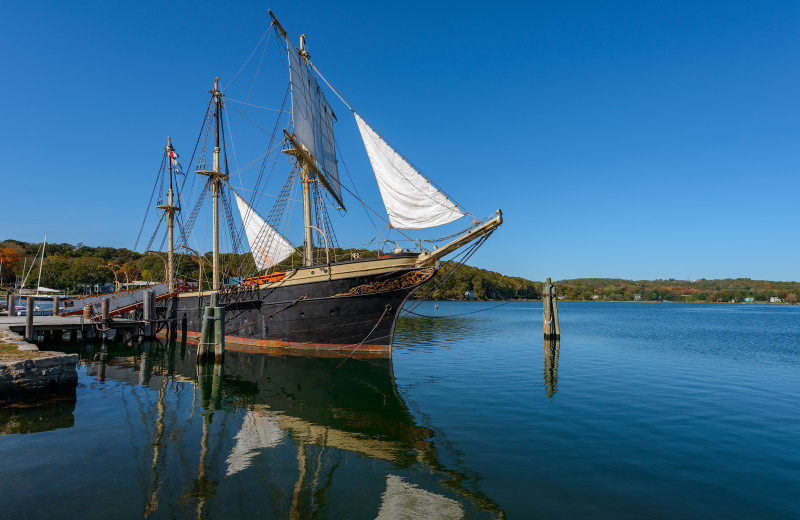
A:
(267, 245)
(312, 118)
(411, 201)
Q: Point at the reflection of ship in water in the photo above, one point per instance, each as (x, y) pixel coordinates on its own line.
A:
(300, 436)
(551, 351)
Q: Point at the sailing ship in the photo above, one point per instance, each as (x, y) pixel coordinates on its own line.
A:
(325, 303)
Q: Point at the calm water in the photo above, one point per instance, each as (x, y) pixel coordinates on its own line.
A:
(645, 411)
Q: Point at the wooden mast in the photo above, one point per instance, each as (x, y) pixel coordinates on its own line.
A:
(170, 208)
(217, 177)
(309, 169)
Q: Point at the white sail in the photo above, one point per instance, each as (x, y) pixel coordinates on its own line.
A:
(312, 118)
(411, 201)
(267, 245)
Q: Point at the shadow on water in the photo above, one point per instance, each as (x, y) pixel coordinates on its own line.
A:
(39, 414)
(297, 436)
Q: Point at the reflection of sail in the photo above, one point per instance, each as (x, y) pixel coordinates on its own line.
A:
(404, 500)
(259, 431)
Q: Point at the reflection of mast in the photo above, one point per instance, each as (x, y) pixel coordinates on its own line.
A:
(152, 502)
(210, 387)
(551, 350)
(294, 513)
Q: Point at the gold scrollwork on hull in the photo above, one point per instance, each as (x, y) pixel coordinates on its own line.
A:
(408, 279)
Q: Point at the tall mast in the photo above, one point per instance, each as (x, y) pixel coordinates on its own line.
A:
(310, 160)
(170, 208)
(306, 165)
(305, 172)
(216, 177)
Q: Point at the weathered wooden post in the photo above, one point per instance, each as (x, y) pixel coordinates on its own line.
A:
(12, 303)
(147, 314)
(55, 305)
(550, 308)
(206, 331)
(184, 326)
(219, 333)
(104, 303)
(73, 335)
(29, 319)
(212, 331)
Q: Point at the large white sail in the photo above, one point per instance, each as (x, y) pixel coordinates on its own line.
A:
(411, 201)
(267, 245)
(312, 118)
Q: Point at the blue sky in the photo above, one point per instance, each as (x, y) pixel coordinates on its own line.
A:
(621, 139)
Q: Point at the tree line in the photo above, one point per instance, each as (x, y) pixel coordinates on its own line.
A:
(702, 290)
(73, 267)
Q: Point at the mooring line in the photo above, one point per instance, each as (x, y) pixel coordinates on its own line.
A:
(460, 314)
(385, 310)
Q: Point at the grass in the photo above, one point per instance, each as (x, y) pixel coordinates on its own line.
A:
(9, 352)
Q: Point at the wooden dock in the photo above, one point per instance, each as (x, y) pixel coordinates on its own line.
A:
(53, 328)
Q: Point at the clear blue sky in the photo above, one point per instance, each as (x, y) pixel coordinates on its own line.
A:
(621, 139)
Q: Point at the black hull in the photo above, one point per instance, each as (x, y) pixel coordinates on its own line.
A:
(335, 314)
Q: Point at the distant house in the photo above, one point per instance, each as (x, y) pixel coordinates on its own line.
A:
(749, 300)
(595, 297)
(775, 299)
(470, 295)
(637, 297)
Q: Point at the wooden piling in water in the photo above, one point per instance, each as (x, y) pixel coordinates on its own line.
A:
(12, 302)
(55, 305)
(552, 328)
(206, 331)
(184, 326)
(219, 333)
(212, 332)
(104, 304)
(148, 310)
(29, 319)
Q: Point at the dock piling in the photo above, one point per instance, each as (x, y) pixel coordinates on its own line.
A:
(55, 305)
(104, 303)
(29, 319)
(148, 310)
(212, 332)
(552, 329)
(219, 333)
(11, 300)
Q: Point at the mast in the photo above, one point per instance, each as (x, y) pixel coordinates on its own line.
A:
(216, 177)
(170, 208)
(306, 165)
(39, 282)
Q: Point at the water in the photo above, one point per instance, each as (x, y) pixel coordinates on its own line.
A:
(645, 411)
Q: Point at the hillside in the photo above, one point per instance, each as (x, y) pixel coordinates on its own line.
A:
(69, 267)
